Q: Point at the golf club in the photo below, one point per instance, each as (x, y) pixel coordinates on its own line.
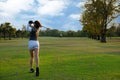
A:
(46, 27)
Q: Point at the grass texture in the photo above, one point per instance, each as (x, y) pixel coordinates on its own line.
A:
(62, 59)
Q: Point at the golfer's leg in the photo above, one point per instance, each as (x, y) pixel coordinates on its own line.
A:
(37, 61)
(31, 58)
(37, 57)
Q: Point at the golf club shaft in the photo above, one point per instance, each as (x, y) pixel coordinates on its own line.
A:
(45, 27)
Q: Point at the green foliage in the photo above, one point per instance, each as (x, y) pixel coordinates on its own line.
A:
(118, 31)
(97, 15)
(57, 33)
(111, 31)
(6, 30)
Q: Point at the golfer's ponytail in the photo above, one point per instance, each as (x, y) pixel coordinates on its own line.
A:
(37, 24)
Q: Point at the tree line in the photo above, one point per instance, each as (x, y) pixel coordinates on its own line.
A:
(7, 31)
(97, 17)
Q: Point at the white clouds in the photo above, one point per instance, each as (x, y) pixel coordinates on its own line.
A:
(71, 26)
(75, 16)
(18, 12)
(10, 11)
(42, 2)
(9, 8)
(80, 4)
(51, 7)
(12, 7)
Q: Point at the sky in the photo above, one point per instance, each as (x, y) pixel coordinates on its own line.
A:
(55, 14)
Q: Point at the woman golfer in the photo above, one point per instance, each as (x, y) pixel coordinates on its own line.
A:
(33, 44)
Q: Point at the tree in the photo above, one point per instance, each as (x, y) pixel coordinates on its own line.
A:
(6, 30)
(54, 33)
(1, 29)
(108, 11)
(98, 14)
(24, 32)
(91, 21)
(111, 31)
(14, 32)
(118, 31)
(9, 29)
(18, 33)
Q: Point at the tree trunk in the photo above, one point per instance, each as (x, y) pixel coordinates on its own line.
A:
(98, 37)
(4, 35)
(103, 37)
(9, 36)
(104, 28)
(0, 35)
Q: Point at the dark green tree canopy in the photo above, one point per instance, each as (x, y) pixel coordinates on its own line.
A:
(98, 14)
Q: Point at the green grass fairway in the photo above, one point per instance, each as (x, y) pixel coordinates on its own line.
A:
(62, 59)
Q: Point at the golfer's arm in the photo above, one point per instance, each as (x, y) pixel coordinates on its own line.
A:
(37, 32)
(29, 28)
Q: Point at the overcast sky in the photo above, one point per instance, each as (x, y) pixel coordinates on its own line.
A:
(55, 14)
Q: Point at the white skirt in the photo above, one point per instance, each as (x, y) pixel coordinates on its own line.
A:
(33, 45)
